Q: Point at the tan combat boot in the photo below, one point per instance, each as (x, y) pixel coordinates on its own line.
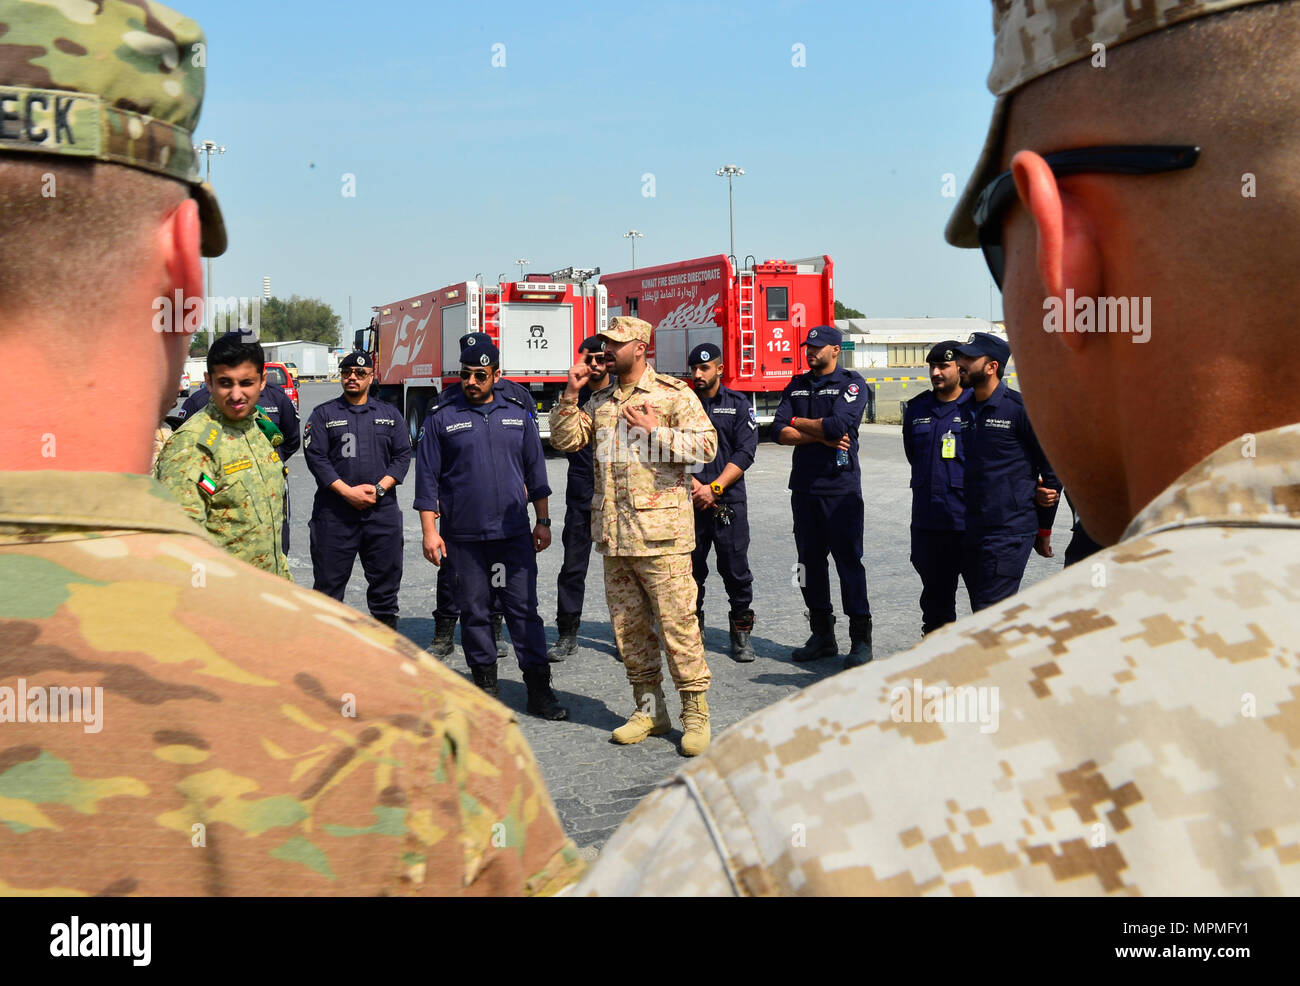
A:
(649, 719)
(695, 723)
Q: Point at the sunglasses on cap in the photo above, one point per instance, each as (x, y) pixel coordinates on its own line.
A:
(1000, 194)
(479, 375)
(354, 371)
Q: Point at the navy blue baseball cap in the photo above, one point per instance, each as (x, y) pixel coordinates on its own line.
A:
(705, 352)
(943, 352)
(986, 344)
(478, 349)
(823, 335)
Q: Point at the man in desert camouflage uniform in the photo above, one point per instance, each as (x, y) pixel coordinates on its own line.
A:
(1131, 725)
(253, 737)
(646, 431)
(222, 466)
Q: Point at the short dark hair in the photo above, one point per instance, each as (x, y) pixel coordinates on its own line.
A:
(234, 350)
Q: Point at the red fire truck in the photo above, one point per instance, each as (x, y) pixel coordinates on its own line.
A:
(756, 316)
(536, 323)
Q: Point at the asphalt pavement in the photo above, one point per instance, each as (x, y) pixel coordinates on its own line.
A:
(594, 782)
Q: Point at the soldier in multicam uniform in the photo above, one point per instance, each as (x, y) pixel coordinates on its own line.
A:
(1129, 726)
(222, 466)
(254, 737)
(646, 430)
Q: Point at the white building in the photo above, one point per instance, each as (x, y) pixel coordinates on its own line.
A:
(311, 358)
(885, 342)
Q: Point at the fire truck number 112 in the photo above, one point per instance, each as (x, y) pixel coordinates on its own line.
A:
(778, 345)
(537, 334)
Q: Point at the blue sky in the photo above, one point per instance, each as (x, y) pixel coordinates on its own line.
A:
(461, 166)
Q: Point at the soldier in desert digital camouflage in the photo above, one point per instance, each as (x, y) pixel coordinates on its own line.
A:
(1129, 727)
(646, 430)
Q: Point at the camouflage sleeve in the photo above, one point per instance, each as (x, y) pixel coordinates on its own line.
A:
(571, 427)
(663, 849)
(180, 470)
(688, 434)
(529, 834)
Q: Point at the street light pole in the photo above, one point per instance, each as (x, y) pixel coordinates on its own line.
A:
(207, 149)
(730, 171)
(632, 235)
(522, 262)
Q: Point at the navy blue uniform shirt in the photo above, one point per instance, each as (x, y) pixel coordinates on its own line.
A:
(580, 486)
(274, 401)
(516, 393)
(357, 443)
(1003, 464)
(838, 399)
(732, 415)
(480, 465)
(938, 484)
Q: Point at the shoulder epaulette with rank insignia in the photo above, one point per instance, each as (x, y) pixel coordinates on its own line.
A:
(210, 436)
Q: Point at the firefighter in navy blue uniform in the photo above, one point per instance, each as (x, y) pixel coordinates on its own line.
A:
(718, 495)
(446, 611)
(479, 464)
(279, 408)
(571, 586)
(358, 449)
(819, 414)
(933, 443)
(1005, 514)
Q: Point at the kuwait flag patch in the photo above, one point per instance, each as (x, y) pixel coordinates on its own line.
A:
(206, 484)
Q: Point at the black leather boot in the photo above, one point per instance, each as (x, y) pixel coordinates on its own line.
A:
(859, 642)
(822, 642)
(742, 624)
(567, 644)
(387, 619)
(442, 644)
(497, 620)
(485, 676)
(541, 700)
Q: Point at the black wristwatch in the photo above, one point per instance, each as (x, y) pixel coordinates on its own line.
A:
(380, 491)
(544, 521)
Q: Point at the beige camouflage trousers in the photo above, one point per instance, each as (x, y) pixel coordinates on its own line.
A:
(643, 591)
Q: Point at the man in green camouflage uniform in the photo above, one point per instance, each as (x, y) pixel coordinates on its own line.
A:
(221, 464)
(252, 737)
(647, 430)
(1129, 727)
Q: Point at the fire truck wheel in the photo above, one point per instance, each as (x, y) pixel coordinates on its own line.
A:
(415, 410)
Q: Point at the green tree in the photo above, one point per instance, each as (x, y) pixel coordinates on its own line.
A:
(842, 311)
(309, 319)
(199, 344)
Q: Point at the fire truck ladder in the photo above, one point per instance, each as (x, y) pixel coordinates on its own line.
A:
(748, 337)
(492, 314)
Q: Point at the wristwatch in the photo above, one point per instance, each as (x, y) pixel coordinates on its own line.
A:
(544, 521)
(379, 492)
(717, 488)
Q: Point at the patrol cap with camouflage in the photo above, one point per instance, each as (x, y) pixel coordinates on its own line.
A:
(1034, 37)
(625, 328)
(119, 81)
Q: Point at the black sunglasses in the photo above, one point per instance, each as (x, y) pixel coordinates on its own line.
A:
(1000, 193)
(479, 375)
(353, 371)
(596, 358)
